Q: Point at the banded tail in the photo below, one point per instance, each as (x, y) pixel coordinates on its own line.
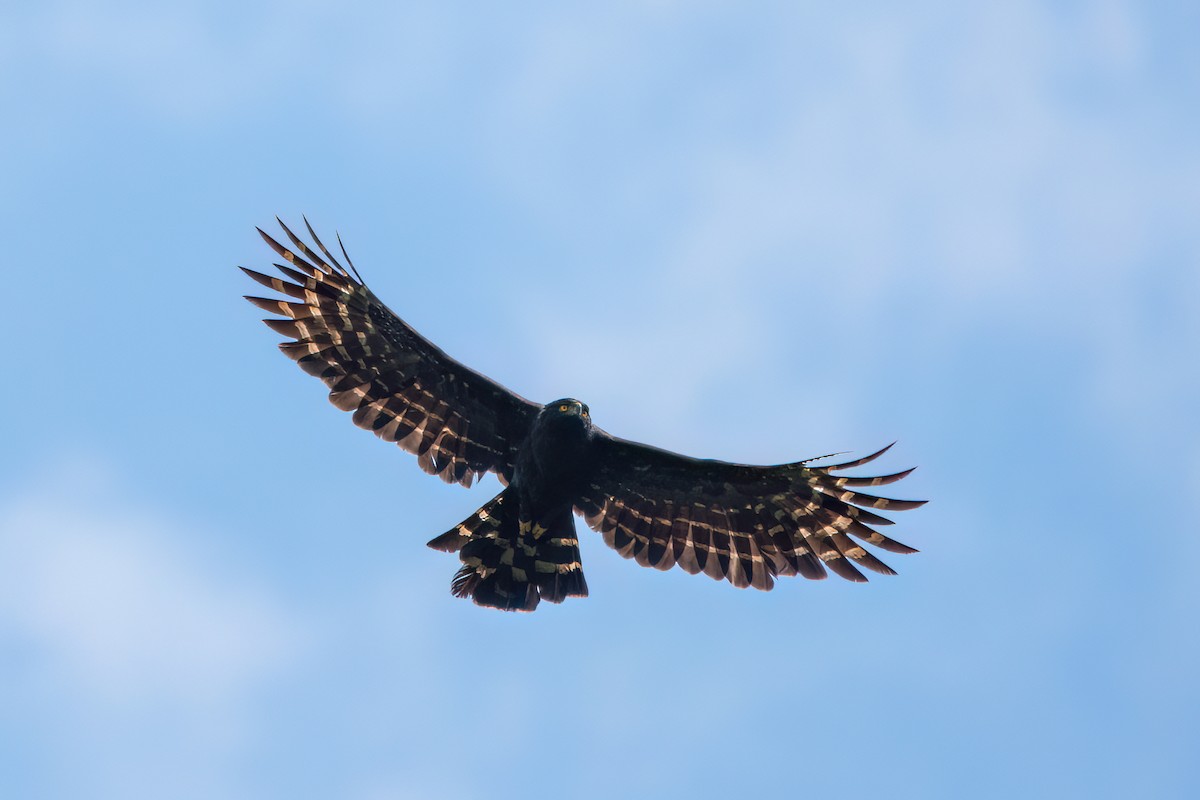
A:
(510, 563)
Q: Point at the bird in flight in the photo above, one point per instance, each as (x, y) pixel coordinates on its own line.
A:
(737, 522)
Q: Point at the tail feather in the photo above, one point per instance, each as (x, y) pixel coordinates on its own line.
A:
(510, 563)
(483, 521)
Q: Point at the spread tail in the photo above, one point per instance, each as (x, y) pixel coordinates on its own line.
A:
(511, 563)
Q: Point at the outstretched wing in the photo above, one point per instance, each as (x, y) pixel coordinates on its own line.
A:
(746, 524)
(459, 423)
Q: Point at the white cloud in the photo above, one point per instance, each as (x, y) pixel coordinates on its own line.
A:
(184, 60)
(139, 651)
(1017, 176)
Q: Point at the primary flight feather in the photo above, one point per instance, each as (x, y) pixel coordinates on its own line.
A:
(738, 522)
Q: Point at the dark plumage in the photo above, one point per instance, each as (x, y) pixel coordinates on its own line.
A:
(742, 523)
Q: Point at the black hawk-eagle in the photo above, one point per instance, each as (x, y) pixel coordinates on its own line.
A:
(741, 523)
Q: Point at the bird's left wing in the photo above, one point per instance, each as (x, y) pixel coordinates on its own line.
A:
(459, 423)
(743, 523)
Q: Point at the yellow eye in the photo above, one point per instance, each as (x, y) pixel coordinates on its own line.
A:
(585, 413)
(563, 407)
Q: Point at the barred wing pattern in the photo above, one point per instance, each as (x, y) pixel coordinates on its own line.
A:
(458, 423)
(742, 523)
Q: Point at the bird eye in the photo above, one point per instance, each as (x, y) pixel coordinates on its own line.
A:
(586, 413)
(563, 407)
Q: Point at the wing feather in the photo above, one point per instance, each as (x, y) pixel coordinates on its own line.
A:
(738, 522)
(459, 423)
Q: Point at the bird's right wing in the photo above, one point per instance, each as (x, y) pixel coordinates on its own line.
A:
(459, 423)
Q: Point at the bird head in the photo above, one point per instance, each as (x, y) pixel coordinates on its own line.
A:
(568, 407)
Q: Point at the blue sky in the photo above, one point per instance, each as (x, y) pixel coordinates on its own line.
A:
(969, 228)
